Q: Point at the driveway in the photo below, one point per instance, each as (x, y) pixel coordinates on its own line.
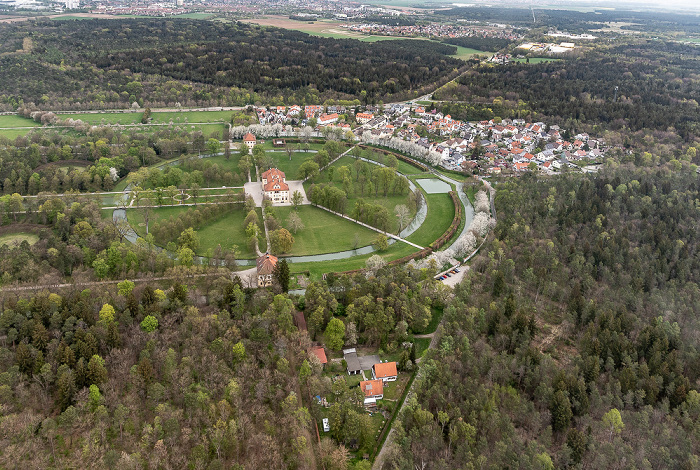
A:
(366, 362)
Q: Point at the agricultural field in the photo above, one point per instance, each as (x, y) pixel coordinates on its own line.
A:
(13, 120)
(323, 232)
(334, 29)
(129, 117)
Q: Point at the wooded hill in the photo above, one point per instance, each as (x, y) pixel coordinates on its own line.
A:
(113, 63)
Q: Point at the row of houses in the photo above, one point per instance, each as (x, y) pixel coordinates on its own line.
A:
(491, 145)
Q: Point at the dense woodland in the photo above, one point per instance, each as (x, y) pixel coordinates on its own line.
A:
(61, 161)
(206, 375)
(114, 63)
(656, 81)
(573, 343)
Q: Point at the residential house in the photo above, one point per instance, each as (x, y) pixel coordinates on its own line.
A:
(265, 267)
(364, 118)
(312, 110)
(373, 390)
(325, 119)
(320, 353)
(385, 371)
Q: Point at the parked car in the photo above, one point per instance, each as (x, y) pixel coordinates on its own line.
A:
(326, 425)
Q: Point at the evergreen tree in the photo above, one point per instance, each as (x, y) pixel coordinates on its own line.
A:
(281, 274)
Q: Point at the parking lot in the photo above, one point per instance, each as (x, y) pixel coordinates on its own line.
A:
(455, 277)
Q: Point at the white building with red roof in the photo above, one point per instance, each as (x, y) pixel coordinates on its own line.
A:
(249, 140)
(275, 186)
(325, 119)
(385, 371)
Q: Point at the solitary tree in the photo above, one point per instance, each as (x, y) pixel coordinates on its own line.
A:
(613, 421)
(214, 146)
(297, 199)
(295, 222)
(281, 241)
(335, 334)
(403, 215)
(188, 239)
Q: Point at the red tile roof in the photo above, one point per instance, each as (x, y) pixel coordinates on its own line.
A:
(385, 369)
(372, 388)
(249, 137)
(275, 180)
(266, 264)
(320, 354)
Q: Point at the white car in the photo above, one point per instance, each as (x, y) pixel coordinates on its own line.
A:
(326, 426)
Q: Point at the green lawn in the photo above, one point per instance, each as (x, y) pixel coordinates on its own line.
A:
(13, 120)
(465, 53)
(227, 230)
(317, 269)
(18, 238)
(290, 167)
(13, 133)
(437, 314)
(177, 117)
(441, 211)
(403, 167)
(422, 345)
(323, 231)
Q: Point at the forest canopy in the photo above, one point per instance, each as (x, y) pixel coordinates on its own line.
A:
(118, 62)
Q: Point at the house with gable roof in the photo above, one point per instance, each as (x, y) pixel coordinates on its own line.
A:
(265, 267)
(385, 371)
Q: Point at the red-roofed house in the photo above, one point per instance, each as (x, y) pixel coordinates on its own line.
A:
(325, 119)
(320, 353)
(372, 389)
(266, 266)
(275, 186)
(249, 140)
(385, 371)
(364, 118)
